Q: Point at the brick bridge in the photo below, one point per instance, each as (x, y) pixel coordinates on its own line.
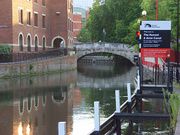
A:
(114, 48)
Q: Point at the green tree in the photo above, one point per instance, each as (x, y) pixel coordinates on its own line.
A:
(120, 18)
(167, 10)
(120, 31)
(84, 35)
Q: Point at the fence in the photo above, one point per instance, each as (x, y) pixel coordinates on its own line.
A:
(24, 56)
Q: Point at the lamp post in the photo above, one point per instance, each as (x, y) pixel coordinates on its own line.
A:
(104, 35)
(177, 40)
(156, 9)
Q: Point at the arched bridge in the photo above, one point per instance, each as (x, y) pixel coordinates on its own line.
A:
(114, 48)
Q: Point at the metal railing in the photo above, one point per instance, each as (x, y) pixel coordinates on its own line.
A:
(24, 56)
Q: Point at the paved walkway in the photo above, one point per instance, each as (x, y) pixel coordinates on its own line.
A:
(177, 131)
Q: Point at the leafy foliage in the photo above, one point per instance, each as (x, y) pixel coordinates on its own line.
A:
(84, 35)
(173, 105)
(121, 18)
(5, 49)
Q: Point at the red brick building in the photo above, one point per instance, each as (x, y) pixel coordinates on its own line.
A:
(34, 25)
(77, 25)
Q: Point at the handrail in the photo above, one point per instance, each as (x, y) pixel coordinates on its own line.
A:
(24, 56)
(111, 119)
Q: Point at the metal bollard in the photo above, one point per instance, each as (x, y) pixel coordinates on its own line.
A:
(129, 97)
(96, 116)
(62, 128)
(117, 94)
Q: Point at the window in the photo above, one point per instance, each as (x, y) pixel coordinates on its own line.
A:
(35, 1)
(43, 21)
(35, 19)
(36, 43)
(20, 42)
(29, 43)
(44, 43)
(29, 18)
(20, 15)
(44, 2)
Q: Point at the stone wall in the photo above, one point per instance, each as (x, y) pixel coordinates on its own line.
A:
(38, 67)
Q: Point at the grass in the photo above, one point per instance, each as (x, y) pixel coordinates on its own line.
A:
(177, 85)
(172, 104)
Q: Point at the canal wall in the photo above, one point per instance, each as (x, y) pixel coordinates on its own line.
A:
(41, 66)
(39, 83)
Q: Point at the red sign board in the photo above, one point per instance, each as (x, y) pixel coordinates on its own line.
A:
(155, 52)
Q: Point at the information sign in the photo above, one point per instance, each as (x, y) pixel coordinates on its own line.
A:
(155, 34)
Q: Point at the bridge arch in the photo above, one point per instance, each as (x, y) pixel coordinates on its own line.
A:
(118, 49)
(112, 53)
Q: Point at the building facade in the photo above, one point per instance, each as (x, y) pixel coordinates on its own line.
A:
(35, 25)
(80, 17)
(77, 25)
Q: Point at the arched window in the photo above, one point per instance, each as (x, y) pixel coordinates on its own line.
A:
(21, 42)
(36, 43)
(29, 43)
(44, 43)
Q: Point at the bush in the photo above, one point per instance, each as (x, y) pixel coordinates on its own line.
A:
(5, 49)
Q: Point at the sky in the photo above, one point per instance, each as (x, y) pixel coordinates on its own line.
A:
(83, 3)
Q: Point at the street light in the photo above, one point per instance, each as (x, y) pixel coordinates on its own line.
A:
(144, 13)
(104, 34)
(156, 9)
(102, 2)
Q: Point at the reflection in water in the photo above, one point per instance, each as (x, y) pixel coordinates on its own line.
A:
(36, 108)
(105, 71)
(28, 130)
(20, 129)
(44, 99)
(35, 105)
(36, 98)
(21, 106)
(59, 96)
(29, 103)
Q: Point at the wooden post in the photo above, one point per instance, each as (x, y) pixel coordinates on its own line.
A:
(62, 128)
(118, 109)
(118, 127)
(138, 83)
(96, 116)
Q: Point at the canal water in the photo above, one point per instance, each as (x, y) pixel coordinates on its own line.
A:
(35, 105)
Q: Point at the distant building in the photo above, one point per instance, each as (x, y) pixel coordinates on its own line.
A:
(78, 10)
(77, 25)
(80, 17)
(34, 25)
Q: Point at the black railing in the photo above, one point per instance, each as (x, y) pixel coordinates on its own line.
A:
(24, 56)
